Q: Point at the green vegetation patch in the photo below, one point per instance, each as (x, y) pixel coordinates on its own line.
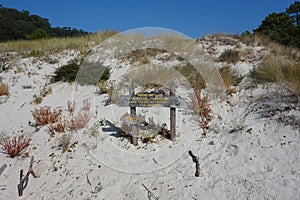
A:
(66, 73)
(85, 74)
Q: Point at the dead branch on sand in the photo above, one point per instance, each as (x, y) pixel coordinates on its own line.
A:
(150, 194)
(196, 160)
(24, 180)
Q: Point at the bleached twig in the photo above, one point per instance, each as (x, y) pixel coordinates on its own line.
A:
(150, 194)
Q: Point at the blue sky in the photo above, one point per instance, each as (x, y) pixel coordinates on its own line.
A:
(193, 18)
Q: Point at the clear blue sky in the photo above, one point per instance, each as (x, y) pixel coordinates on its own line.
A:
(193, 18)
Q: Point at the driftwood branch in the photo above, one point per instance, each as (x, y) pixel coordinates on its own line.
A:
(196, 160)
(88, 180)
(24, 180)
(150, 194)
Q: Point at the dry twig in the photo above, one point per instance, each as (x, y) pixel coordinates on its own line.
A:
(150, 194)
(24, 180)
(196, 160)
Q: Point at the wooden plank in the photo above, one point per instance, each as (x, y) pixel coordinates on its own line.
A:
(134, 135)
(20, 188)
(172, 114)
(131, 93)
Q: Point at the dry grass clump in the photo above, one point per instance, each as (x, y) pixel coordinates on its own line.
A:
(16, 146)
(229, 76)
(146, 74)
(139, 56)
(38, 47)
(277, 70)
(229, 56)
(279, 64)
(192, 76)
(225, 39)
(3, 89)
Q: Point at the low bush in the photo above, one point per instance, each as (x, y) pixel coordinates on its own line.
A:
(92, 73)
(66, 73)
(85, 74)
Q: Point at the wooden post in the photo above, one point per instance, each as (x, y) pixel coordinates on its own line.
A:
(21, 183)
(172, 114)
(134, 133)
(131, 94)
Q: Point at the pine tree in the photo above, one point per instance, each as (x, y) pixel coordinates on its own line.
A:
(294, 10)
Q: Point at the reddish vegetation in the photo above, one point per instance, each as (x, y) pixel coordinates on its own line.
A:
(16, 146)
(45, 116)
(80, 121)
(203, 107)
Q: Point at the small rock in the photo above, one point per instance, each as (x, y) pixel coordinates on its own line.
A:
(211, 143)
(39, 169)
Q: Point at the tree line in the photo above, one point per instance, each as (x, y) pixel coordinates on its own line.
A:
(283, 27)
(16, 25)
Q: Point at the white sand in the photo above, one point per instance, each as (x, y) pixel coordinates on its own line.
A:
(260, 160)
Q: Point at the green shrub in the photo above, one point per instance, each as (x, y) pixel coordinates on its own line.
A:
(66, 73)
(89, 73)
(38, 34)
(247, 37)
(229, 56)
